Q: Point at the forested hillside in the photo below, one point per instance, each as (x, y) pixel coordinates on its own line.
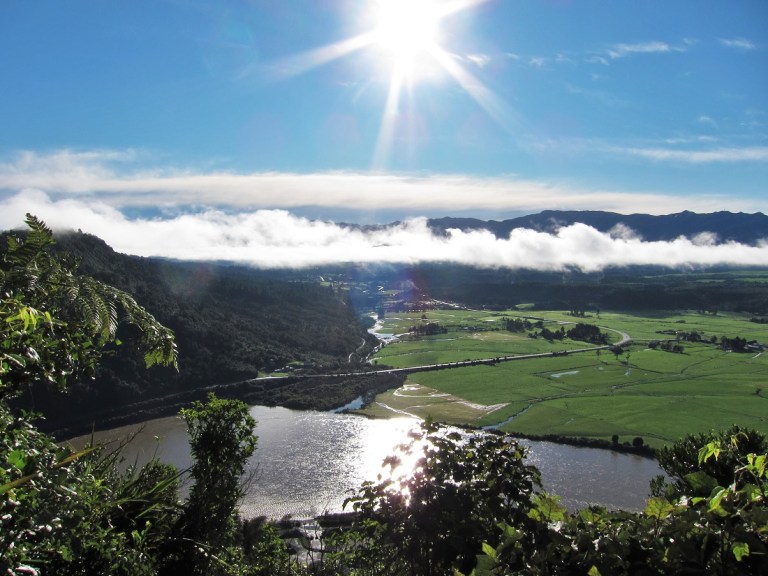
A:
(629, 288)
(635, 288)
(230, 324)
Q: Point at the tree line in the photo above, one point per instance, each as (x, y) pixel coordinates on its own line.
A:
(630, 288)
(580, 331)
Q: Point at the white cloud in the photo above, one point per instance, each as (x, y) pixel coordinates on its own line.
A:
(538, 61)
(479, 60)
(699, 139)
(707, 120)
(623, 232)
(753, 154)
(622, 50)
(106, 177)
(277, 238)
(738, 43)
(597, 60)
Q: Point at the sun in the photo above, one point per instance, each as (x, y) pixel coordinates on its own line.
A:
(407, 30)
(405, 37)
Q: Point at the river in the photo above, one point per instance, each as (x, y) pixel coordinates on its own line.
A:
(307, 462)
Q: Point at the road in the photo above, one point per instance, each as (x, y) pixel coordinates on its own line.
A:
(625, 339)
(186, 396)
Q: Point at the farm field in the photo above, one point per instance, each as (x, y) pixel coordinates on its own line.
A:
(657, 395)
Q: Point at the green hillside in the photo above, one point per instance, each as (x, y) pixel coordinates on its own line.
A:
(231, 323)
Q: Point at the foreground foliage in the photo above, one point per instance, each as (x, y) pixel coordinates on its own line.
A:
(70, 512)
(724, 532)
(56, 321)
(83, 512)
(438, 517)
(459, 515)
(221, 440)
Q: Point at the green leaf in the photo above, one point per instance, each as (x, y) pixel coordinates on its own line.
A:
(17, 459)
(752, 493)
(15, 484)
(66, 553)
(17, 359)
(659, 508)
(489, 550)
(511, 533)
(709, 450)
(594, 571)
(714, 502)
(757, 464)
(591, 516)
(701, 482)
(740, 550)
(72, 457)
(547, 508)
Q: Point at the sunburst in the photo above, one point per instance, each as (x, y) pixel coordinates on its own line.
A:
(406, 36)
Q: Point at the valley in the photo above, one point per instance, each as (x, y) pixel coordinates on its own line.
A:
(640, 390)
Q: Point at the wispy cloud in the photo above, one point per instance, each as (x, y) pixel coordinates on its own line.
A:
(654, 47)
(622, 50)
(707, 120)
(538, 61)
(277, 238)
(598, 60)
(546, 61)
(738, 43)
(114, 179)
(479, 60)
(753, 154)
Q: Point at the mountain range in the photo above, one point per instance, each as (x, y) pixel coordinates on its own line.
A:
(726, 226)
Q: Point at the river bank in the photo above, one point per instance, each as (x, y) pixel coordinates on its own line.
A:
(644, 451)
(298, 392)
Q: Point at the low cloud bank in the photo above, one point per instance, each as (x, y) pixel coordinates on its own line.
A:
(123, 179)
(277, 238)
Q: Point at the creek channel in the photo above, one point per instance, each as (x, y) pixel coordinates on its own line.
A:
(307, 462)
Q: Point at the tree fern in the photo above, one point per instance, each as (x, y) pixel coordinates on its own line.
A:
(88, 313)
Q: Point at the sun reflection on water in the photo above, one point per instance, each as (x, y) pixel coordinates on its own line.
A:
(307, 463)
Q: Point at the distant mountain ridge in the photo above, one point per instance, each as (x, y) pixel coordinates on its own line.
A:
(727, 226)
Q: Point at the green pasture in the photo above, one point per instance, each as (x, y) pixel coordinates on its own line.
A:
(471, 335)
(439, 350)
(643, 392)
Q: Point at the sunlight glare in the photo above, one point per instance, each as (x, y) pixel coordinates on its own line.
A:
(405, 35)
(407, 29)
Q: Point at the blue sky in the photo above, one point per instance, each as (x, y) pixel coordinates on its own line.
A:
(166, 111)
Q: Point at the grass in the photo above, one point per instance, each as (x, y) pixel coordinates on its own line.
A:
(657, 395)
